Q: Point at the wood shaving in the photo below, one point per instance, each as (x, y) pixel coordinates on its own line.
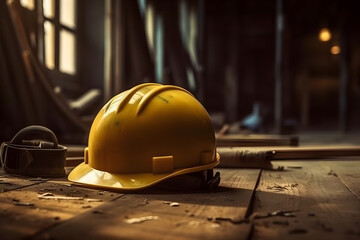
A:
(52, 197)
(47, 194)
(279, 188)
(194, 223)
(215, 225)
(172, 204)
(25, 204)
(332, 173)
(141, 219)
(94, 200)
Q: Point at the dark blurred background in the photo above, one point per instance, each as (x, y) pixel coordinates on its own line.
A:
(266, 66)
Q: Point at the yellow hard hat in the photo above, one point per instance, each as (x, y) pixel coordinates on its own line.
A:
(145, 135)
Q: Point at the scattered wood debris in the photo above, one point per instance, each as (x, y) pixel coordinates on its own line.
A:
(275, 213)
(94, 200)
(50, 196)
(24, 204)
(144, 202)
(194, 223)
(17, 202)
(232, 220)
(172, 204)
(3, 182)
(141, 219)
(279, 188)
(47, 194)
(215, 225)
(332, 173)
(294, 167)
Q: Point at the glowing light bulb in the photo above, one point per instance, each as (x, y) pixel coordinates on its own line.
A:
(335, 49)
(324, 35)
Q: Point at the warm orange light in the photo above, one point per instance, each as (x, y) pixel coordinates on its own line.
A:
(335, 49)
(324, 35)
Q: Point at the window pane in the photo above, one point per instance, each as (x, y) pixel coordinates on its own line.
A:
(49, 8)
(67, 52)
(29, 4)
(49, 32)
(67, 13)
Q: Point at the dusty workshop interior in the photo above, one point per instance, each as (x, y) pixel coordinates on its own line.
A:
(184, 119)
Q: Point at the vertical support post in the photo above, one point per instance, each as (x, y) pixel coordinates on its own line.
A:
(118, 31)
(344, 78)
(200, 47)
(114, 48)
(278, 67)
(107, 51)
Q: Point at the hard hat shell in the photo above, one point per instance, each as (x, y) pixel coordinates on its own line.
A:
(145, 135)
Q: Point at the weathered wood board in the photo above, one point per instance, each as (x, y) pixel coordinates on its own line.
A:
(23, 213)
(307, 199)
(251, 140)
(189, 220)
(320, 206)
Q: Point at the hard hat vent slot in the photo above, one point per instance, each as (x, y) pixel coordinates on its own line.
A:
(154, 92)
(163, 164)
(131, 93)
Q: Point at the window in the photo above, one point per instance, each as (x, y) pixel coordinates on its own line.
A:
(59, 35)
(29, 4)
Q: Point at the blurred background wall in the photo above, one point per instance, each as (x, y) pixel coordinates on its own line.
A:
(268, 66)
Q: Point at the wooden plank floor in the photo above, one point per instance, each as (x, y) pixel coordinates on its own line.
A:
(308, 199)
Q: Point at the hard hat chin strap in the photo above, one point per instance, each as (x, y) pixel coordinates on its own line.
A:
(33, 157)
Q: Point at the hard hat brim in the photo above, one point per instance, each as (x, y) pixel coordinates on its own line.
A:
(87, 175)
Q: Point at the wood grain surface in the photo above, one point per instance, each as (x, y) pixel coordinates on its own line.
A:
(319, 205)
(301, 200)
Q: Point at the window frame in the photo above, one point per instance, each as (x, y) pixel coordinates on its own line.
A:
(62, 79)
